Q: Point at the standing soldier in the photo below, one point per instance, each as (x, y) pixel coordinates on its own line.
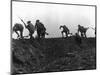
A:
(41, 30)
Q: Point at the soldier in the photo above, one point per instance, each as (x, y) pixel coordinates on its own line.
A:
(31, 28)
(18, 27)
(82, 30)
(41, 30)
(65, 30)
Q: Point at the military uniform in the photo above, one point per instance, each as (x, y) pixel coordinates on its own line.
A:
(40, 29)
(31, 29)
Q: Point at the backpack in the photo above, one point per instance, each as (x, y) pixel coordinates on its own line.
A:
(31, 28)
(40, 26)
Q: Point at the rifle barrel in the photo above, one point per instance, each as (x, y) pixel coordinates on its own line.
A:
(22, 21)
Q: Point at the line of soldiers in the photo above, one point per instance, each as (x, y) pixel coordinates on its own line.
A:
(78, 38)
(81, 29)
(41, 30)
(39, 27)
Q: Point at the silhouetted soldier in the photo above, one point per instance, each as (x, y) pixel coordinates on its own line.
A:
(41, 30)
(65, 30)
(82, 30)
(30, 27)
(18, 27)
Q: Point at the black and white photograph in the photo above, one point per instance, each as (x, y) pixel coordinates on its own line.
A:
(52, 37)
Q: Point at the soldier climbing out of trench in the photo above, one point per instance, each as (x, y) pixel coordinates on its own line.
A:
(65, 30)
(82, 30)
(18, 27)
(30, 27)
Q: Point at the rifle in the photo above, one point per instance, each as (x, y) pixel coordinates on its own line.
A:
(23, 22)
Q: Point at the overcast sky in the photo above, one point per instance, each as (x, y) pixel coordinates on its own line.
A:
(54, 15)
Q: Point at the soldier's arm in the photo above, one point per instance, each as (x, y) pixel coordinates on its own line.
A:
(43, 26)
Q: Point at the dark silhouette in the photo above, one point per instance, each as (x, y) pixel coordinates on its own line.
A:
(18, 27)
(82, 30)
(30, 27)
(65, 30)
(41, 30)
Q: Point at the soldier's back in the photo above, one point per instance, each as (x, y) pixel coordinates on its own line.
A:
(31, 27)
(40, 26)
(65, 28)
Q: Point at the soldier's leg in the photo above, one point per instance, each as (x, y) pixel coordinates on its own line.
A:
(21, 33)
(31, 36)
(85, 35)
(66, 34)
(62, 33)
(43, 35)
(82, 35)
(17, 34)
(38, 34)
(43, 32)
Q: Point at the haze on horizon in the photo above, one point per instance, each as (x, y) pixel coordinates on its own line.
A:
(54, 15)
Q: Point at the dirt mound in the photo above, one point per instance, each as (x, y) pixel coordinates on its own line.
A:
(52, 54)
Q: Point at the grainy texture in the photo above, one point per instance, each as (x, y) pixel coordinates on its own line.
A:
(52, 55)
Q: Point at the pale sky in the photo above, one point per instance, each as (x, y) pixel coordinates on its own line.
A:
(54, 15)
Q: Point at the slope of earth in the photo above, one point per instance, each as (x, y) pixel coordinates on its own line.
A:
(52, 55)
